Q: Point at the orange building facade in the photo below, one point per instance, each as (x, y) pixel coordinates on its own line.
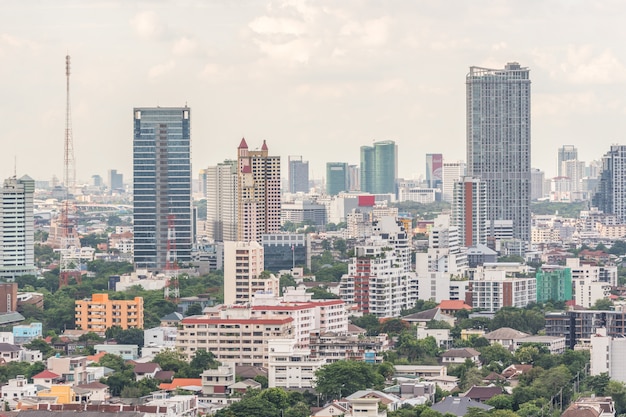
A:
(100, 313)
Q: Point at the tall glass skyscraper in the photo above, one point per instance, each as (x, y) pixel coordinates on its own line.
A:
(298, 174)
(379, 167)
(161, 186)
(337, 177)
(611, 194)
(498, 141)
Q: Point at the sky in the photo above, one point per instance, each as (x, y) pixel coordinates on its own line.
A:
(312, 78)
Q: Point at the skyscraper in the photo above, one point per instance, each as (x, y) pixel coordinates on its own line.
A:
(611, 194)
(258, 193)
(434, 168)
(498, 141)
(298, 175)
(161, 186)
(379, 167)
(17, 252)
(566, 153)
(337, 177)
(221, 210)
(452, 172)
(116, 181)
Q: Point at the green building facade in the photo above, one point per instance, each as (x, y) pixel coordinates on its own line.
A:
(554, 285)
(379, 167)
(337, 176)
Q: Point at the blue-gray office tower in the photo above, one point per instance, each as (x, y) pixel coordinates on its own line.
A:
(162, 186)
(498, 141)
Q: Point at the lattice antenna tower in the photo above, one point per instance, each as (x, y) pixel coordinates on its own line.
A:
(172, 290)
(69, 163)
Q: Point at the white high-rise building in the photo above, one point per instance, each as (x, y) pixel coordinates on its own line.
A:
(221, 210)
(243, 268)
(17, 253)
(498, 141)
(452, 172)
(608, 355)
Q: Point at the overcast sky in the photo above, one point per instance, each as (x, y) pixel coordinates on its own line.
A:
(313, 78)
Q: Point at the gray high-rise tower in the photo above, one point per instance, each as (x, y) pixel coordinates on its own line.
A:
(161, 186)
(498, 141)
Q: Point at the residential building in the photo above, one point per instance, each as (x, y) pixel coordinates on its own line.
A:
(498, 141)
(579, 325)
(24, 333)
(333, 347)
(554, 283)
(126, 352)
(611, 194)
(506, 337)
(8, 297)
(17, 387)
(379, 167)
(458, 356)
(469, 211)
(71, 369)
(453, 172)
(217, 381)
(221, 211)
(291, 367)
(241, 340)
(445, 252)
(501, 285)
(379, 279)
(553, 344)
(565, 153)
(162, 186)
(434, 170)
(298, 175)
(608, 355)
(258, 193)
(591, 406)
(99, 313)
(458, 406)
(243, 268)
(17, 222)
(537, 184)
(337, 178)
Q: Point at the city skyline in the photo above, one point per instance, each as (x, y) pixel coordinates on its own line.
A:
(306, 77)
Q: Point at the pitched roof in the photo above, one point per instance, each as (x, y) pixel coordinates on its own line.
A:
(7, 347)
(454, 305)
(164, 375)
(426, 315)
(93, 385)
(181, 382)
(264, 146)
(175, 316)
(146, 368)
(96, 357)
(243, 144)
(459, 406)
(493, 377)
(505, 333)
(482, 393)
(460, 353)
(46, 374)
(245, 371)
(515, 370)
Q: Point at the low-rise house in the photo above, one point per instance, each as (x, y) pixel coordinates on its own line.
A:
(178, 405)
(72, 369)
(30, 356)
(24, 333)
(459, 356)
(146, 370)
(447, 383)
(458, 406)
(17, 388)
(217, 381)
(189, 384)
(420, 371)
(591, 407)
(422, 318)
(482, 394)
(370, 402)
(243, 386)
(505, 336)
(172, 319)
(451, 307)
(554, 344)
(127, 352)
(331, 410)
(513, 372)
(441, 336)
(46, 378)
(10, 353)
(97, 391)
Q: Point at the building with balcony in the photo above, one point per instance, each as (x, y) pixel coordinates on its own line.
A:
(99, 313)
(290, 366)
(243, 272)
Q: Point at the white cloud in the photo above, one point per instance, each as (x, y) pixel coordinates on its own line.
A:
(161, 69)
(267, 25)
(148, 25)
(184, 46)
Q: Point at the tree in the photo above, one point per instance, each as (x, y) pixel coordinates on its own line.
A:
(393, 326)
(194, 310)
(250, 407)
(172, 360)
(300, 409)
(202, 360)
(501, 402)
(369, 322)
(130, 337)
(617, 391)
(602, 304)
(342, 378)
(598, 383)
(277, 396)
(496, 353)
(40, 345)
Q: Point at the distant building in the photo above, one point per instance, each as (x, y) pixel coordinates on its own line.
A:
(337, 178)
(453, 172)
(303, 211)
(243, 268)
(116, 181)
(298, 175)
(434, 170)
(469, 211)
(608, 355)
(379, 167)
(283, 251)
(554, 284)
(221, 191)
(611, 194)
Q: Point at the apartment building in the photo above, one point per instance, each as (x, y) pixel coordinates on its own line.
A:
(501, 285)
(580, 325)
(240, 339)
(243, 268)
(99, 313)
(333, 347)
(290, 366)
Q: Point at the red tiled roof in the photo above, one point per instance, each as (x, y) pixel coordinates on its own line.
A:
(46, 374)
(243, 144)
